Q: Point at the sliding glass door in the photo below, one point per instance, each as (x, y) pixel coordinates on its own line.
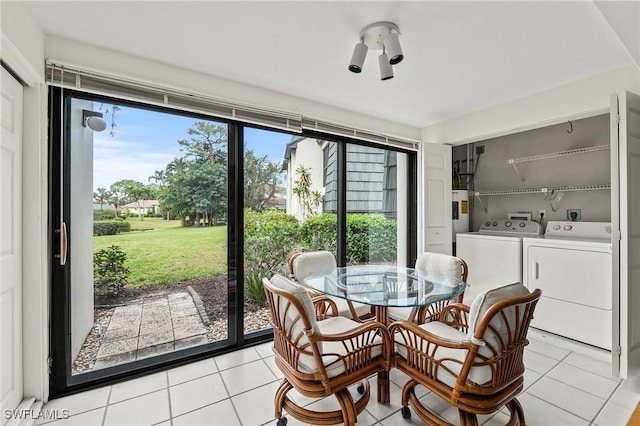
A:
(164, 224)
(141, 270)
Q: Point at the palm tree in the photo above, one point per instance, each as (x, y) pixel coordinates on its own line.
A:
(101, 196)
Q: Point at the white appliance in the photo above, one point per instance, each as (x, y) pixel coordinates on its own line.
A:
(460, 213)
(572, 266)
(494, 254)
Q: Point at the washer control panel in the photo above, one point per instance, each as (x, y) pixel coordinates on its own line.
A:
(578, 229)
(511, 226)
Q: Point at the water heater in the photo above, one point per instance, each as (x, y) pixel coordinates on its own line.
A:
(460, 213)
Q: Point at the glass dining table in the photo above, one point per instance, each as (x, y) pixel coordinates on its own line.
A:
(384, 286)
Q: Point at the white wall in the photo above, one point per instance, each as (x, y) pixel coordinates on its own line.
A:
(81, 237)
(586, 97)
(23, 51)
(309, 154)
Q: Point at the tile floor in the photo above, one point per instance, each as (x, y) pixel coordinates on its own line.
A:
(565, 384)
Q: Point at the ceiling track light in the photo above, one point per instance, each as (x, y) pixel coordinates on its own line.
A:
(378, 36)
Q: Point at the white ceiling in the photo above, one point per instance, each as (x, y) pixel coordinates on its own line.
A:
(459, 56)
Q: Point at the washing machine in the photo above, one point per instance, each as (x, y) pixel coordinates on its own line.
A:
(494, 254)
(572, 265)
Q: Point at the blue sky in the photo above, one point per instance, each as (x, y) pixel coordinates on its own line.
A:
(147, 141)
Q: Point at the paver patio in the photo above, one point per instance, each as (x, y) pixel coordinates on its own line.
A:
(151, 326)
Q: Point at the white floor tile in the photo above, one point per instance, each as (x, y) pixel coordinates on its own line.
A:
(196, 394)
(138, 387)
(247, 376)
(612, 415)
(546, 349)
(588, 363)
(220, 413)
(265, 350)
(256, 406)
(271, 363)
(93, 417)
(192, 371)
(530, 377)
(539, 412)
(574, 400)
(144, 410)
(81, 402)
(233, 359)
(628, 393)
(587, 381)
(539, 363)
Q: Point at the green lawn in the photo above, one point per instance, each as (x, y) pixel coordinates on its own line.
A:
(169, 252)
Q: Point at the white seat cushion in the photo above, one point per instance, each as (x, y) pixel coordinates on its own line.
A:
(312, 262)
(455, 357)
(343, 307)
(397, 313)
(438, 263)
(334, 325)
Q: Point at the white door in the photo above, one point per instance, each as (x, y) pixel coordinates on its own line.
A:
(437, 198)
(10, 244)
(625, 177)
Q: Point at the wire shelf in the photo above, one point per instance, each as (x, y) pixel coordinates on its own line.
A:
(559, 154)
(568, 188)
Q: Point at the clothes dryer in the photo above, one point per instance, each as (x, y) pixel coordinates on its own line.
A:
(572, 265)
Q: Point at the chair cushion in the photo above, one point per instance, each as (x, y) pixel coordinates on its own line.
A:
(312, 262)
(292, 320)
(487, 299)
(441, 264)
(397, 313)
(335, 325)
(453, 358)
(343, 307)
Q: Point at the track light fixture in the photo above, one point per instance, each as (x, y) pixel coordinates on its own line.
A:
(378, 36)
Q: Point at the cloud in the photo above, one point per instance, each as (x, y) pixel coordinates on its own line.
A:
(114, 160)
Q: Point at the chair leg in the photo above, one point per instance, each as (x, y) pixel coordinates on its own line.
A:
(407, 390)
(516, 413)
(279, 399)
(348, 408)
(427, 416)
(467, 419)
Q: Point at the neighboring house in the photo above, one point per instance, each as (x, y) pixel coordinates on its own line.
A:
(371, 176)
(144, 207)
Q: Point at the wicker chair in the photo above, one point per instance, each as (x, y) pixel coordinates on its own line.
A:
(322, 358)
(303, 264)
(436, 263)
(472, 357)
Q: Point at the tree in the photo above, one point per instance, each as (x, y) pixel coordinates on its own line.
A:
(208, 142)
(118, 195)
(261, 178)
(309, 200)
(139, 192)
(100, 196)
(196, 184)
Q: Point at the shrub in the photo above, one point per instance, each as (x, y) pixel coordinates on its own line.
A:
(253, 287)
(105, 214)
(110, 227)
(109, 271)
(269, 238)
(370, 237)
(319, 233)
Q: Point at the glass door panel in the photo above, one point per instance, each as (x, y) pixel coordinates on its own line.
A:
(377, 205)
(270, 232)
(145, 202)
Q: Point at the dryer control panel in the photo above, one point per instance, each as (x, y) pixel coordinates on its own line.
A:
(511, 227)
(578, 229)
